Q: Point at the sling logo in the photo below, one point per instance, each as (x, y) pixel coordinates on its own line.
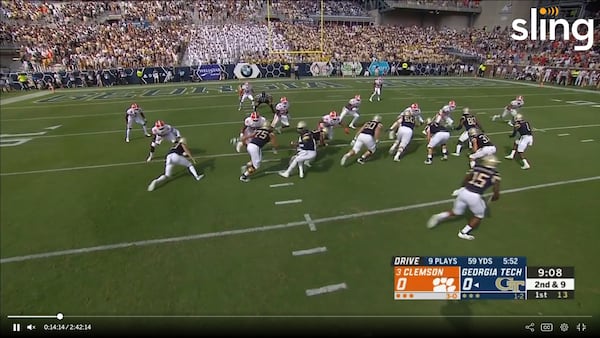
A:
(546, 29)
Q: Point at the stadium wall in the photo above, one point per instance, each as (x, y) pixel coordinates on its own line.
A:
(408, 18)
(502, 13)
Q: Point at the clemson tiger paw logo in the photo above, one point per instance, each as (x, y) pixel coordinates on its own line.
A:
(444, 284)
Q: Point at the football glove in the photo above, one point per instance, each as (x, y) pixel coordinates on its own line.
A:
(457, 191)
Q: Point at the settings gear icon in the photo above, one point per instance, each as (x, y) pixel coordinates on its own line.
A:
(564, 327)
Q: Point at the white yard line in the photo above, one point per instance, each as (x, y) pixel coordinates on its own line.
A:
(546, 85)
(211, 124)
(311, 225)
(271, 227)
(41, 171)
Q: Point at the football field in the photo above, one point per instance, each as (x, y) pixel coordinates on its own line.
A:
(81, 235)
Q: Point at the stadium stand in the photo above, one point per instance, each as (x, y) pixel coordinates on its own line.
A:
(94, 35)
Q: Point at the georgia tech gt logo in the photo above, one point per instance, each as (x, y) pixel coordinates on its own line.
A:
(509, 284)
(246, 71)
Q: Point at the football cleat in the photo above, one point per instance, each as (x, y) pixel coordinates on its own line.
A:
(152, 185)
(433, 221)
(508, 157)
(465, 236)
(127, 140)
(525, 166)
(343, 160)
(428, 161)
(244, 179)
(361, 160)
(284, 174)
(199, 177)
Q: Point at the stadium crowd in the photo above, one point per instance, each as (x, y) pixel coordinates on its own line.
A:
(185, 32)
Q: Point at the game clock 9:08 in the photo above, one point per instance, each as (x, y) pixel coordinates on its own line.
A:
(549, 272)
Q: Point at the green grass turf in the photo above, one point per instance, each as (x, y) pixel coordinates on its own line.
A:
(80, 186)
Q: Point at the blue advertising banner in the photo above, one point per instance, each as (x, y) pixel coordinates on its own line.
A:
(209, 72)
(378, 68)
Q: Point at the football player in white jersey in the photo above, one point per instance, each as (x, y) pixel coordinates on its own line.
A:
(415, 111)
(179, 154)
(246, 92)
(161, 131)
(443, 115)
(327, 123)
(135, 114)
(281, 115)
(351, 108)
(377, 89)
(512, 108)
(251, 123)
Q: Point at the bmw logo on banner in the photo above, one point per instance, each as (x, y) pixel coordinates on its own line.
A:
(246, 71)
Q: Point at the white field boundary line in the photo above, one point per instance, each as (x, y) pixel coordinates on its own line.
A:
(215, 85)
(271, 227)
(24, 97)
(548, 86)
(233, 94)
(109, 165)
(212, 124)
(195, 109)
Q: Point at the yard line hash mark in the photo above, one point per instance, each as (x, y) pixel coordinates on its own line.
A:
(268, 227)
(281, 185)
(288, 202)
(588, 140)
(309, 221)
(566, 134)
(309, 251)
(326, 289)
(108, 165)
